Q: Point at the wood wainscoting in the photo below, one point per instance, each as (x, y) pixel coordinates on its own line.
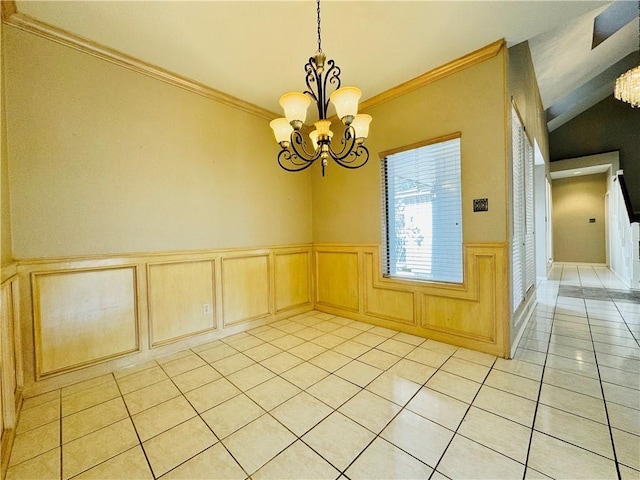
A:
(474, 314)
(83, 317)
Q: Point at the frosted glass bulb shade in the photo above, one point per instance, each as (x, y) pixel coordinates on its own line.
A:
(345, 100)
(281, 129)
(361, 125)
(295, 106)
(314, 137)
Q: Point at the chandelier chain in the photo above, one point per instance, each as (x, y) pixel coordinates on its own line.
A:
(319, 37)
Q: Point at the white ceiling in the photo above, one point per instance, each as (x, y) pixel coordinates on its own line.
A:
(256, 50)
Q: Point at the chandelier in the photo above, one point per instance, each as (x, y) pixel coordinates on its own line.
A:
(299, 151)
(627, 86)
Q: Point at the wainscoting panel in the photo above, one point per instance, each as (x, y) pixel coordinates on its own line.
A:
(180, 299)
(246, 288)
(292, 279)
(474, 314)
(338, 279)
(83, 317)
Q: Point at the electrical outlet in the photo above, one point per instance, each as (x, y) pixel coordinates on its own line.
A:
(206, 309)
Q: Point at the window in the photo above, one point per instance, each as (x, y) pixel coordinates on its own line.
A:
(422, 212)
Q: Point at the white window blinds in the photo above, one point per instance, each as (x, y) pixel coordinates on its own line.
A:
(422, 216)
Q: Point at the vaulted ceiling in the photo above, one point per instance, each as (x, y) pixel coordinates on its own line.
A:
(256, 50)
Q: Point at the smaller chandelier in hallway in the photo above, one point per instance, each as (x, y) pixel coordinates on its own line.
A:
(627, 86)
(297, 153)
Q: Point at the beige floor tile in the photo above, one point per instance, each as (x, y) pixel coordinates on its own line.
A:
(162, 417)
(207, 346)
(531, 474)
(507, 405)
(467, 459)
(309, 333)
(257, 443)
(287, 342)
(175, 446)
(250, 377)
(476, 357)
(31, 402)
(621, 395)
(330, 360)
(620, 377)
(39, 415)
(89, 384)
(582, 355)
(414, 371)
(270, 335)
(394, 388)
(428, 357)
(327, 326)
(232, 415)
(520, 367)
(438, 407)
(333, 391)
(272, 393)
(305, 375)
(217, 353)
(142, 379)
(559, 459)
(214, 463)
(131, 464)
(507, 437)
(162, 361)
(90, 450)
(298, 461)
(307, 350)
(281, 362)
(212, 394)
(92, 419)
(418, 436)
(627, 473)
(45, 466)
(573, 366)
(370, 410)
(229, 365)
(369, 339)
(262, 352)
(384, 332)
(438, 476)
(410, 339)
(572, 402)
(627, 448)
(359, 373)
(621, 363)
(624, 418)
(35, 442)
(198, 377)
(454, 386)
(184, 364)
(464, 368)
(530, 356)
(379, 359)
(580, 431)
(88, 398)
(147, 397)
(515, 384)
(436, 346)
(246, 343)
(292, 327)
(338, 439)
(383, 460)
(573, 382)
(328, 340)
(300, 413)
(351, 349)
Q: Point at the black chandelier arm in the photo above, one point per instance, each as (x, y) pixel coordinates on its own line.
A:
(286, 160)
(348, 142)
(312, 77)
(298, 145)
(332, 78)
(359, 157)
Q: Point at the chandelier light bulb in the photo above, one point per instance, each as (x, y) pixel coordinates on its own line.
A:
(628, 87)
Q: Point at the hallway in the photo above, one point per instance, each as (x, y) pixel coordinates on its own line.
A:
(319, 396)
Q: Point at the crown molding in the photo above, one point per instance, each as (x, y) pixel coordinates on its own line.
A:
(438, 73)
(24, 22)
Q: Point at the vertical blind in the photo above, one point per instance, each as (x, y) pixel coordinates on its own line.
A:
(522, 207)
(422, 215)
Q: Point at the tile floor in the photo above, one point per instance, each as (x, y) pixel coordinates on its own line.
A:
(319, 396)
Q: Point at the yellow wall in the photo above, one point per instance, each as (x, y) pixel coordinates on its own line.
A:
(5, 211)
(105, 160)
(575, 201)
(346, 204)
